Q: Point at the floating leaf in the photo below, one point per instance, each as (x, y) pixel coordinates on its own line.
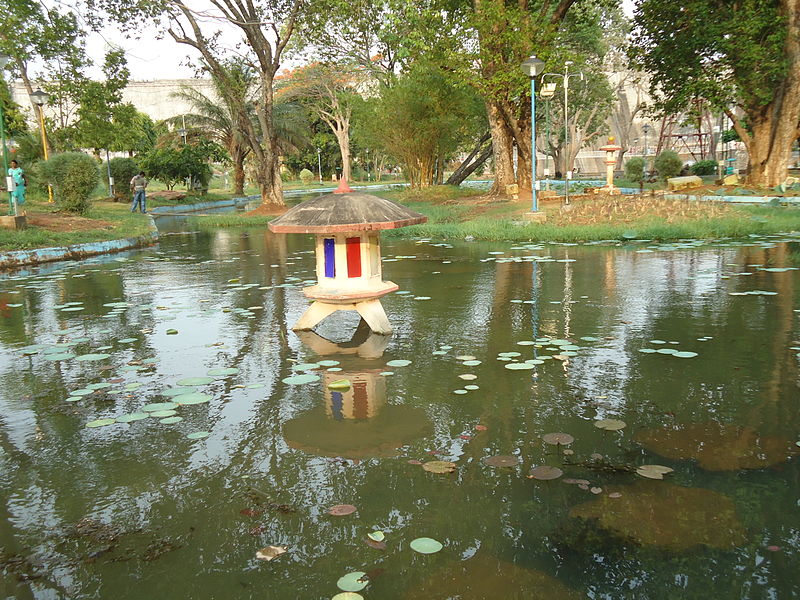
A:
(157, 406)
(352, 582)
(172, 332)
(92, 357)
(300, 379)
(198, 435)
(558, 439)
(328, 363)
(178, 391)
(98, 386)
(501, 460)
(425, 545)
(439, 466)
(468, 377)
(545, 473)
(82, 392)
(137, 416)
(170, 420)
(223, 371)
(339, 384)
(126, 340)
(610, 424)
(348, 596)
(192, 381)
(465, 357)
(471, 363)
(398, 363)
(341, 510)
(270, 552)
(163, 413)
(191, 398)
(100, 423)
(376, 536)
(684, 354)
(653, 471)
(519, 366)
(305, 366)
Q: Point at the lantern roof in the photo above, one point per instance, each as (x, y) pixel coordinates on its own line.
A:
(345, 210)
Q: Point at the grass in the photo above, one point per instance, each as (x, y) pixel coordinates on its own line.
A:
(124, 224)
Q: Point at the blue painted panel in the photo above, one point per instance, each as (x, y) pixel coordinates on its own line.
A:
(337, 404)
(330, 257)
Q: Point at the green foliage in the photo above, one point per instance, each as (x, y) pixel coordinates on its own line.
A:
(122, 170)
(668, 164)
(13, 119)
(171, 165)
(74, 177)
(634, 170)
(306, 176)
(704, 167)
(422, 117)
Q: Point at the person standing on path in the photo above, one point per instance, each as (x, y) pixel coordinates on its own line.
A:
(20, 183)
(138, 185)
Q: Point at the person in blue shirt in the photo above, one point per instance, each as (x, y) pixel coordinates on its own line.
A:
(20, 183)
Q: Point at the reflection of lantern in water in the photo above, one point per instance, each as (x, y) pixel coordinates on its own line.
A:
(367, 393)
(347, 225)
(356, 422)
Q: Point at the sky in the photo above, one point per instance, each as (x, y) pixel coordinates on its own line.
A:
(150, 58)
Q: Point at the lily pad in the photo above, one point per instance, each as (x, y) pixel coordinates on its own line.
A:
(501, 460)
(376, 536)
(341, 510)
(340, 384)
(223, 371)
(59, 356)
(685, 354)
(353, 582)
(170, 420)
(471, 363)
(425, 545)
(398, 363)
(130, 418)
(439, 466)
(558, 439)
(191, 398)
(92, 357)
(270, 552)
(519, 366)
(100, 423)
(163, 413)
(126, 340)
(178, 391)
(468, 377)
(157, 406)
(545, 473)
(348, 596)
(193, 381)
(653, 471)
(300, 379)
(610, 424)
(198, 435)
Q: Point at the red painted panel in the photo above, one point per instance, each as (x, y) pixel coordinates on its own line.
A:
(354, 257)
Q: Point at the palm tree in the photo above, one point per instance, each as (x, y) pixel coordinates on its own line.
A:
(220, 119)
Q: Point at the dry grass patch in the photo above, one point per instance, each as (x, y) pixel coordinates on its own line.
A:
(629, 209)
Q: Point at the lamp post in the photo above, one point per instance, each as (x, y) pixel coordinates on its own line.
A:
(319, 163)
(547, 92)
(4, 58)
(182, 133)
(40, 98)
(532, 66)
(645, 129)
(565, 76)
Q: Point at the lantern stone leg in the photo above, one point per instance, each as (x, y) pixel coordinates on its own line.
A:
(370, 310)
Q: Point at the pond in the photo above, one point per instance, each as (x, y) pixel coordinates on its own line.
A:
(157, 430)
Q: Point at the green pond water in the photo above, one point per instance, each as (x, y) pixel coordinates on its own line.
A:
(176, 500)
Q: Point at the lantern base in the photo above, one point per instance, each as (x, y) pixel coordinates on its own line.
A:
(370, 310)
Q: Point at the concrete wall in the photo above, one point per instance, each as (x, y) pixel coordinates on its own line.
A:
(153, 98)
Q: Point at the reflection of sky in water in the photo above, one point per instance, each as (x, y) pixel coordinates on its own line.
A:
(56, 472)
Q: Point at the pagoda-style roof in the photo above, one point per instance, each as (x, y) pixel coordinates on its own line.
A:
(345, 210)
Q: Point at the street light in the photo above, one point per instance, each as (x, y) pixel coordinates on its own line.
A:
(319, 163)
(532, 66)
(40, 98)
(547, 93)
(645, 129)
(565, 76)
(4, 58)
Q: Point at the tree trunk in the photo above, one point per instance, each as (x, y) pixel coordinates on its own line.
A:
(502, 150)
(343, 138)
(472, 162)
(238, 178)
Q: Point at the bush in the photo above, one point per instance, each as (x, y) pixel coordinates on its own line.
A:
(704, 167)
(634, 170)
(122, 170)
(306, 176)
(74, 177)
(668, 164)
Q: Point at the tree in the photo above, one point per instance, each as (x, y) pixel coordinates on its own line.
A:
(667, 164)
(329, 91)
(266, 28)
(743, 60)
(171, 165)
(421, 120)
(13, 119)
(634, 171)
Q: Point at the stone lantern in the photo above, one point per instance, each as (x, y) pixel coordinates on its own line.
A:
(610, 149)
(347, 227)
